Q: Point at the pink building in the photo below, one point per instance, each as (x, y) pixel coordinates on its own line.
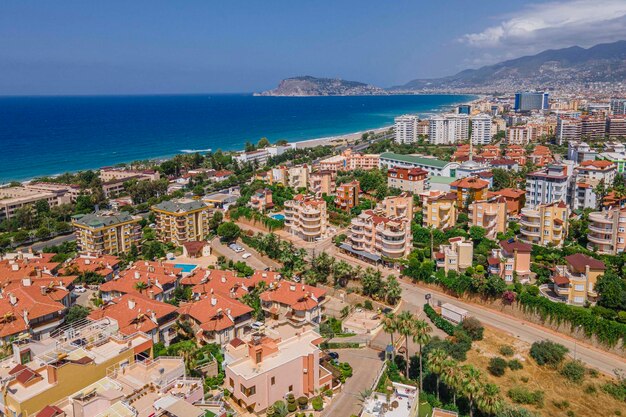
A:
(264, 370)
(512, 258)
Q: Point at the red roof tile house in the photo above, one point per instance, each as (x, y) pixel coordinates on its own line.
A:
(226, 282)
(158, 286)
(216, 318)
(510, 260)
(105, 265)
(138, 313)
(297, 302)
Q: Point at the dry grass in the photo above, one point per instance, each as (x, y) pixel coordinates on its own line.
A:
(555, 386)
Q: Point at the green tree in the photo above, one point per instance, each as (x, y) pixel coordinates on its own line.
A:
(436, 362)
(263, 143)
(612, 291)
(471, 385)
(405, 328)
(393, 289)
(421, 336)
(228, 231)
(390, 327)
(489, 400)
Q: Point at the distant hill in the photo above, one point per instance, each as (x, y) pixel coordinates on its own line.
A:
(552, 68)
(312, 86)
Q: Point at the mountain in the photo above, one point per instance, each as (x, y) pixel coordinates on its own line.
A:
(567, 67)
(311, 86)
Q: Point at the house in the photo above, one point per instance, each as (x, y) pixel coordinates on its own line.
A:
(510, 260)
(196, 249)
(489, 214)
(261, 200)
(574, 282)
(456, 256)
(296, 302)
(156, 285)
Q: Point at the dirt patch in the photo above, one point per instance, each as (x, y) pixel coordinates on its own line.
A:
(533, 377)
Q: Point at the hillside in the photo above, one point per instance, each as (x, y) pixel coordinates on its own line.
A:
(569, 67)
(312, 86)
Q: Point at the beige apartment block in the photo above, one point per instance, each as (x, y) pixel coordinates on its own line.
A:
(456, 256)
(306, 217)
(14, 198)
(440, 211)
(107, 232)
(322, 183)
(607, 231)
(400, 206)
(373, 233)
(545, 225)
(182, 220)
(491, 215)
(574, 282)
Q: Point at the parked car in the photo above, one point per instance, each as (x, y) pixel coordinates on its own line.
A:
(79, 289)
(246, 255)
(257, 325)
(333, 355)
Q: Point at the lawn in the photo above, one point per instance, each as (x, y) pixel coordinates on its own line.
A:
(580, 398)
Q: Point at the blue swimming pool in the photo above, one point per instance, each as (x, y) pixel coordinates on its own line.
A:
(278, 216)
(186, 267)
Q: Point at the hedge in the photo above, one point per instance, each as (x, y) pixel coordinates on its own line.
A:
(608, 332)
(340, 345)
(439, 321)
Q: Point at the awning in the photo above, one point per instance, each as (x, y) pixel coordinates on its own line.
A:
(367, 255)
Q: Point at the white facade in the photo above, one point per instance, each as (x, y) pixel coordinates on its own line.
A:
(448, 128)
(517, 135)
(406, 128)
(549, 185)
(481, 129)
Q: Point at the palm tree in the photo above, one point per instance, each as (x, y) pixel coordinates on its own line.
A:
(489, 400)
(141, 286)
(452, 374)
(421, 336)
(471, 385)
(436, 361)
(364, 395)
(405, 328)
(390, 326)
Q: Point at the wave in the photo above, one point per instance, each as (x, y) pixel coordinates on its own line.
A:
(195, 150)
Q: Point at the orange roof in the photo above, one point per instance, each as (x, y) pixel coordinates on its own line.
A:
(156, 267)
(31, 302)
(215, 312)
(134, 313)
(597, 164)
(226, 282)
(127, 280)
(470, 182)
(508, 193)
(298, 296)
(103, 265)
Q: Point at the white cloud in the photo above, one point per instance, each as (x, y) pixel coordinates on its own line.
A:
(552, 25)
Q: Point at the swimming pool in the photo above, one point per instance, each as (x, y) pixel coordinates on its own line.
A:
(186, 267)
(278, 216)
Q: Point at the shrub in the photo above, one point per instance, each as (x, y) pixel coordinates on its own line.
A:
(570, 413)
(367, 304)
(515, 365)
(497, 366)
(439, 321)
(521, 395)
(317, 403)
(524, 379)
(303, 402)
(574, 371)
(615, 390)
(548, 353)
(591, 389)
(593, 373)
(291, 403)
(561, 405)
(473, 327)
(506, 350)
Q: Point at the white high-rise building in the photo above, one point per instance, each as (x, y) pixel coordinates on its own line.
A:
(448, 128)
(406, 128)
(481, 129)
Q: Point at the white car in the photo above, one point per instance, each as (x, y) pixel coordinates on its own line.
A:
(246, 255)
(79, 289)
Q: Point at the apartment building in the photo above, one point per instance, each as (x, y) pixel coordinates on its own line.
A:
(298, 303)
(349, 161)
(347, 195)
(14, 198)
(107, 232)
(373, 233)
(515, 199)
(182, 220)
(262, 200)
(48, 371)
(587, 176)
(616, 126)
(568, 129)
(298, 176)
(517, 135)
(306, 217)
(580, 152)
(469, 189)
(592, 127)
(511, 260)
(490, 214)
(481, 129)
(265, 369)
(618, 106)
(448, 128)
(607, 231)
(413, 180)
(399, 206)
(548, 185)
(456, 256)
(322, 183)
(109, 174)
(545, 225)
(440, 211)
(405, 128)
(433, 166)
(575, 281)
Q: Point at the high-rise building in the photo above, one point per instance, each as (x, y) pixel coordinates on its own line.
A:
(107, 232)
(568, 129)
(618, 106)
(182, 220)
(548, 185)
(406, 128)
(448, 128)
(592, 127)
(616, 126)
(464, 109)
(531, 100)
(481, 129)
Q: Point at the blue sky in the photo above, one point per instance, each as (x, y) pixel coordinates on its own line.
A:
(139, 47)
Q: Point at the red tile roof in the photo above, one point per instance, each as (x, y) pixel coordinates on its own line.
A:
(29, 302)
(516, 245)
(560, 280)
(50, 411)
(470, 182)
(214, 312)
(298, 296)
(579, 261)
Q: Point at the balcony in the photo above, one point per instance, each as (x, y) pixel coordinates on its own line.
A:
(531, 232)
(601, 239)
(530, 222)
(594, 227)
(596, 217)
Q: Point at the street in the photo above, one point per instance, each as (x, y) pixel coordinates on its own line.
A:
(256, 261)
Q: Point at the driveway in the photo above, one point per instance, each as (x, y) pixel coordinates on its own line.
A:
(366, 364)
(256, 261)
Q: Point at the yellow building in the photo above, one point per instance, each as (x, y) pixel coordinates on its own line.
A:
(107, 232)
(440, 211)
(40, 373)
(469, 189)
(490, 215)
(400, 206)
(545, 225)
(575, 281)
(456, 256)
(180, 221)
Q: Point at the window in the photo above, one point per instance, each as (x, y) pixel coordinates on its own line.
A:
(273, 380)
(579, 287)
(508, 278)
(579, 300)
(231, 383)
(508, 267)
(248, 391)
(290, 388)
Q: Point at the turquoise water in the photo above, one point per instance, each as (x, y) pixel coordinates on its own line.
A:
(278, 216)
(52, 135)
(186, 267)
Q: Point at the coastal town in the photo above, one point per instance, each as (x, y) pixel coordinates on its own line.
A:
(469, 262)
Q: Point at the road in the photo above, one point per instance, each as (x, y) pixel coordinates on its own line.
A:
(256, 261)
(38, 246)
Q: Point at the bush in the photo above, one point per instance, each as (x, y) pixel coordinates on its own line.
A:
(317, 403)
(521, 395)
(590, 389)
(561, 405)
(439, 321)
(506, 350)
(548, 353)
(291, 403)
(615, 390)
(303, 402)
(515, 365)
(473, 327)
(497, 366)
(574, 371)
(367, 304)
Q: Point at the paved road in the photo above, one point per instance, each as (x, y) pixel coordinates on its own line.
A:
(256, 261)
(38, 246)
(523, 330)
(366, 364)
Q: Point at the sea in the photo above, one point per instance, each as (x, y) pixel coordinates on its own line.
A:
(43, 136)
